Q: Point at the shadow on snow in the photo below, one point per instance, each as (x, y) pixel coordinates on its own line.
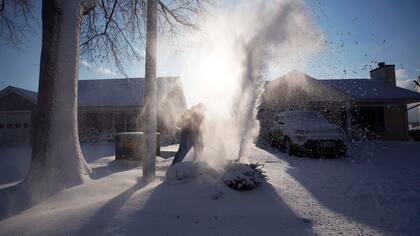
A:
(97, 224)
(191, 209)
(366, 186)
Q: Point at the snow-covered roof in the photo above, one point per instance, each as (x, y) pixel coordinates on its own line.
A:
(28, 94)
(371, 90)
(111, 92)
(120, 92)
(296, 88)
(360, 90)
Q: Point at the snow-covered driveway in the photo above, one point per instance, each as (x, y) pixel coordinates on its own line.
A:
(374, 191)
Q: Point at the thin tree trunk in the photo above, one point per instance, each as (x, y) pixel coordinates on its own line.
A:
(150, 93)
(57, 160)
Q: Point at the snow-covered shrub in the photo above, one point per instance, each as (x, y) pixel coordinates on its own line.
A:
(202, 179)
(238, 176)
(242, 176)
(93, 135)
(181, 172)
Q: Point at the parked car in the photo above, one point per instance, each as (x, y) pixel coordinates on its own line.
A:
(307, 133)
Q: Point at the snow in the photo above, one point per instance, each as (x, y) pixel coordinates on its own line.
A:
(339, 89)
(244, 176)
(182, 172)
(130, 91)
(373, 191)
(368, 89)
(14, 163)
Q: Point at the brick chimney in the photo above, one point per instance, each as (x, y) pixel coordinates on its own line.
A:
(384, 73)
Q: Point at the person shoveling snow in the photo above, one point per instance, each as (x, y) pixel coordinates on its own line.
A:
(190, 132)
(237, 176)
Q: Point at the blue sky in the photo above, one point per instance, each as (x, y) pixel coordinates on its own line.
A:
(364, 32)
(359, 34)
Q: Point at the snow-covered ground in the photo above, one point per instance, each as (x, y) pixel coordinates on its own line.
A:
(374, 191)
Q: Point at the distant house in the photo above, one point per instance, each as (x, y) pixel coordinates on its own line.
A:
(372, 108)
(16, 107)
(104, 107)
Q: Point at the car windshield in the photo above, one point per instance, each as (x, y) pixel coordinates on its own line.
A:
(306, 116)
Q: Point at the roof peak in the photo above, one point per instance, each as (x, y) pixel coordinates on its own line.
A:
(28, 94)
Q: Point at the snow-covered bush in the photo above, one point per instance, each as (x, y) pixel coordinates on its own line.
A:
(181, 172)
(238, 176)
(202, 179)
(242, 176)
(93, 135)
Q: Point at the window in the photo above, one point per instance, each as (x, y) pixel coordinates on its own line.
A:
(9, 126)
(25, 125)
(1, 126)
(18, 125)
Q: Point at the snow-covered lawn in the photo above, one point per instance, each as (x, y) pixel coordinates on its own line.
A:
(375, 190)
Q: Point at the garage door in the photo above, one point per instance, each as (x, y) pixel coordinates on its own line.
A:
(15, 127)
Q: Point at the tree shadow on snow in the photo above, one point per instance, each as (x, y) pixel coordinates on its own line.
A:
(98, 223)
(112, 167)
(360, 190)
(14, 200)
(194, 209)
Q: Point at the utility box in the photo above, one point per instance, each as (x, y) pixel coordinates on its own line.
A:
(130, 146)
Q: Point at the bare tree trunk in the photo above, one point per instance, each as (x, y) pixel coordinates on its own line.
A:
(150, 93)
(57, 160)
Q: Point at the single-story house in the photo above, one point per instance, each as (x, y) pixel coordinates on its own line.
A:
(372, 108)
(105, 106)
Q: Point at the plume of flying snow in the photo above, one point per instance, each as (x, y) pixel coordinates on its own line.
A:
(228, 61)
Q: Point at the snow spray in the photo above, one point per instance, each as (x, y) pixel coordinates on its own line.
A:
(228, 61)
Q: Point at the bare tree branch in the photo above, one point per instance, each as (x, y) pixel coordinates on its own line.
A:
(109, 32)
(179, 18)
(16, 19)
(114, 32)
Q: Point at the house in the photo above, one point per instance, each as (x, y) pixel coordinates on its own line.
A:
(16, 107)
(372, 108)
(104, 107)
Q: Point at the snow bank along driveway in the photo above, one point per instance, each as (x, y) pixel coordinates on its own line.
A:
(374, 191)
